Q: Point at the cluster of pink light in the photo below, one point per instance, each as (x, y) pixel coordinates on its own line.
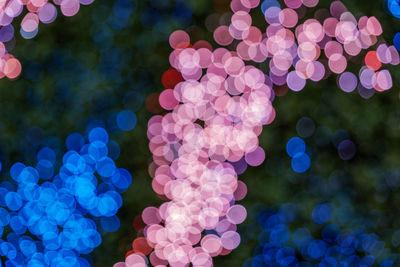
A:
(217, 113)
(218, 106)
(38, 11)
(295, 50)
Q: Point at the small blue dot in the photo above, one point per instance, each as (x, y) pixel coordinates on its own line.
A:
(280, 235)
(394, 7)
(330, 233)
(50, 241)
(126, 120)
(45, 169)
(13, 201)
(106, 167)
(8, 250)
(301, 236)
(367, 261)
(321, 213)
(28, 247)
(316, 249)
(75, 141)
(3, 193)
(75, 163)
(396, 41)
(286, 257)
(98, 134)
(46, 153)
(17, 225)
(15, 170)
(301, 163)
(4, 217)
(107, 206)
(98, 150)
(28, 175)
(122, 179)
(295, 146)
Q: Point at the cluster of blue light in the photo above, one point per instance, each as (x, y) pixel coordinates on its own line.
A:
(126, 120)
(281, 244)
(54, 220)
(394, 8)
(296, 149)
(396, 41)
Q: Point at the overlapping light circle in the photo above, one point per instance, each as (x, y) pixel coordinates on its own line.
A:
(337, 242)
(218, 105)
(54, 219)
(37, 11)
(211, 131)
(296, 51)
(296, 149)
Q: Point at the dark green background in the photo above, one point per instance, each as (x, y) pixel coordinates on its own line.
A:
(61, 97)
